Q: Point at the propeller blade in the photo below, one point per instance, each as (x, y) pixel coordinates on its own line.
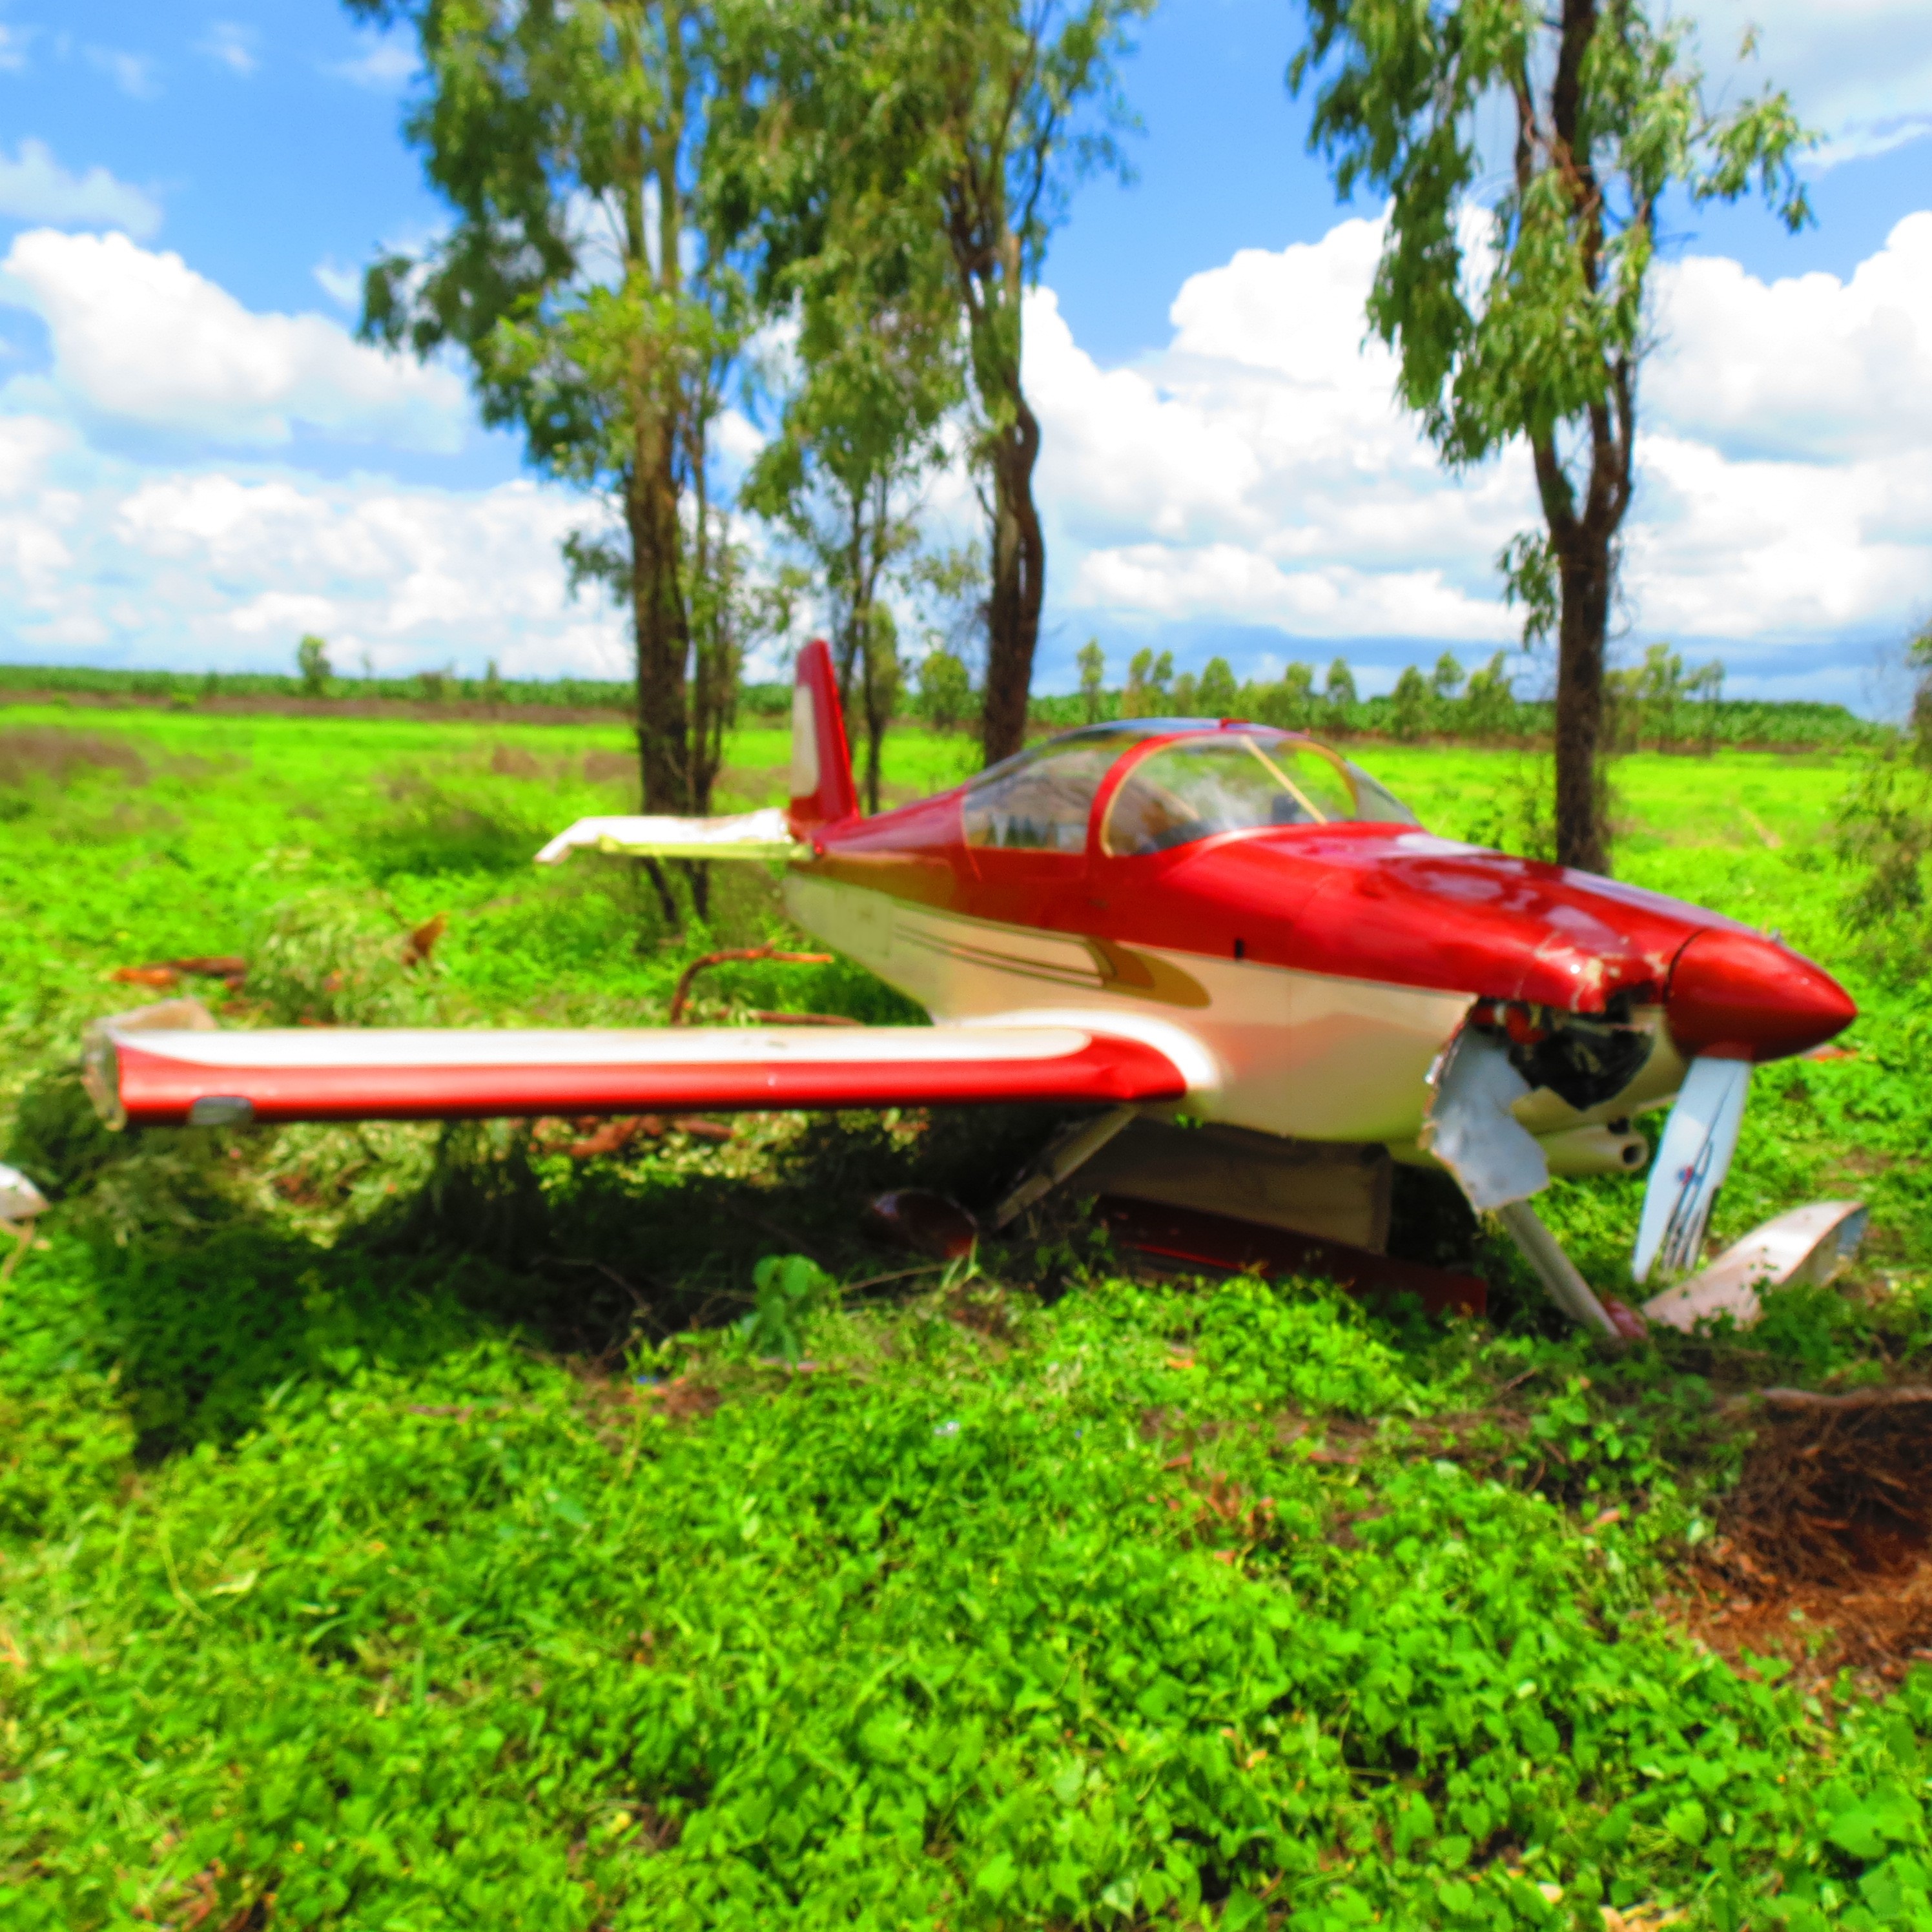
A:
(1692, 1160)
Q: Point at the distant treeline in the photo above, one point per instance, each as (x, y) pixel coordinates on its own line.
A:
(1478, 711)
(429, 687)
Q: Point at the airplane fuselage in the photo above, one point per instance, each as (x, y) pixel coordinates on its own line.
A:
(1308, 977)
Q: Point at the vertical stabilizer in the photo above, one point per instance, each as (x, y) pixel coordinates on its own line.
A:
(822, 790)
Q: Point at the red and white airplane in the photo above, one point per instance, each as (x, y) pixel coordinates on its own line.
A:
(1212, 917)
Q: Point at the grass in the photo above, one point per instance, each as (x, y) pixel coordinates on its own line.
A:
(403, 1529)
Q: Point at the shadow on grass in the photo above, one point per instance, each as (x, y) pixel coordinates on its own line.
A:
(204, 1301)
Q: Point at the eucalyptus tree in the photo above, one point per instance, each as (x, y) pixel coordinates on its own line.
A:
(967, 122)
(861, 433)
(1540, 332)
(570, 139)
(1093, 663)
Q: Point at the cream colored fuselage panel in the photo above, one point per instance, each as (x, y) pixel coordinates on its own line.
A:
(1302, 1054)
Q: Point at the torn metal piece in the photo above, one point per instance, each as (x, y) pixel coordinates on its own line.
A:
(928, 1223)
(1555, 1269)
(1469, 1127)
(20, 1200)
(1061, 1158)
(1692, 1160)
(1811, 1243)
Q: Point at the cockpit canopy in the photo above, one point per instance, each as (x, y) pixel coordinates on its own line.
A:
(1205, 779)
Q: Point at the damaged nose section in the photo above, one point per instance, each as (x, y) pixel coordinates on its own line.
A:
(1738, 996)
(1499, 1164)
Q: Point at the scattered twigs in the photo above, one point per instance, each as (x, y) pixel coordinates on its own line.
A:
(1788, 1401)
(421, 940)
(165, 974)
(22, 1233)
(683, 993)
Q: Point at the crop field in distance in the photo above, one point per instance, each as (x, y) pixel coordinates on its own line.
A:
(525, 1526)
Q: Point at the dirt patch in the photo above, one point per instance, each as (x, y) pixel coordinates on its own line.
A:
(610, 767)
(513, 761)
(1824, 1555)
(45, 751)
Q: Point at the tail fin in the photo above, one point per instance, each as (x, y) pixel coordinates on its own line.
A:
(822, 790)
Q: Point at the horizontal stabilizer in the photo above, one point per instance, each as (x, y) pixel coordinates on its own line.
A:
(749, 835)
(228, 1078)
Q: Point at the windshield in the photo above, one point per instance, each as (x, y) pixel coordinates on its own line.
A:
(1235, 782)
(1040, 801)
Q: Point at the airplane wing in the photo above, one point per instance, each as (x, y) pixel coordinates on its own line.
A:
(750, 835)
(173, 1078)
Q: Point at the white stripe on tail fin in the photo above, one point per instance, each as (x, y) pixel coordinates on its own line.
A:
(822, 790)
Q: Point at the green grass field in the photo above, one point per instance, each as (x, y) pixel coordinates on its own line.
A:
(404, 1528)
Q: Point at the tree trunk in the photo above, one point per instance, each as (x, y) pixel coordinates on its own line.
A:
(1019, 580)
(1584, 566)
(662, 634)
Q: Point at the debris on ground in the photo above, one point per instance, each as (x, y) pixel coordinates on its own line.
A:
(164, 975)
(421, 941)
(1824, 1553)
(681, 994)
(928, 1223)
(1812, 1244)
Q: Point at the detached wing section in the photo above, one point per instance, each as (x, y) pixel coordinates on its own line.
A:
(162, 1078)
(750, 834)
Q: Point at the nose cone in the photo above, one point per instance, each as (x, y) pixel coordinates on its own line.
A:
(1734, 993)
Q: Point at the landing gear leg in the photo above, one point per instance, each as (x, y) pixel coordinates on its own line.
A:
(1061, 1158)
(1555, 1269)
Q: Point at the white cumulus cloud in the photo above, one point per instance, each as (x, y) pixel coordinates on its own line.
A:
(34, 187)
(1806, 367)
(227, 567)
(139, 336)
(1257, 472)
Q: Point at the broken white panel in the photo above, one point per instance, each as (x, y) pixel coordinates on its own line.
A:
(746, 835)
(1470, 1129)
(1811, 1243)
(1692, 1160)
(20, 1200)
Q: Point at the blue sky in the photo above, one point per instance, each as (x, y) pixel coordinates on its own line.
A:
(197, 462)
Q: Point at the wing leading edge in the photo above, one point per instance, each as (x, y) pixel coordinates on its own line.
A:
(151, 1078)
(750, 834)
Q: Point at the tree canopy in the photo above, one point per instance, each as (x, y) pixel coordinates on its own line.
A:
(1528, 317)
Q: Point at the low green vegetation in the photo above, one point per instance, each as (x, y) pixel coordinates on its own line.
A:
(412, 1528)
(1663, 714)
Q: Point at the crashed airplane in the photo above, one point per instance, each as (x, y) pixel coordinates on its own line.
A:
(1203, 918)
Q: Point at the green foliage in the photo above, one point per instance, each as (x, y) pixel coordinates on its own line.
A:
(1659, 700)
(1410, 708)
(1146, 694)
(788, 1290)
(369, 1542)
(178, 688)
(945, 689)
(312, 661)
(1541, 334)
(1093, 680)
(608, 343)
(1217, 694)
(936, 191)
